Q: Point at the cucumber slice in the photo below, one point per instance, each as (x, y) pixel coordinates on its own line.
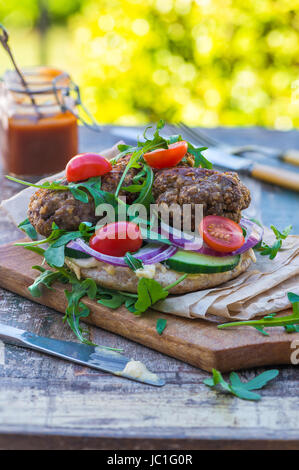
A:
(193, 263)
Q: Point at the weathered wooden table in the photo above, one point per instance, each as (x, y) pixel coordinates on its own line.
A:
(49, 403)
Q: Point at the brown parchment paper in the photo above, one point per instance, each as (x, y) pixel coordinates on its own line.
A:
(260, 290)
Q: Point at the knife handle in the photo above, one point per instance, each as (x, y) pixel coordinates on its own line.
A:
(274, 175)
(291, 156)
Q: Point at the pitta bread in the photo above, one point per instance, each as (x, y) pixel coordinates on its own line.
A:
(119, 278)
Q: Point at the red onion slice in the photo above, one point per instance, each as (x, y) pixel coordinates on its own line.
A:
(254, 234)
(184, 241)
(149, 254)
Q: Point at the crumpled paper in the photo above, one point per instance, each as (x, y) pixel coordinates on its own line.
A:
(261, 290)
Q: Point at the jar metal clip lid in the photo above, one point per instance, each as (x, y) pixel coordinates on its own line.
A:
(62, 93)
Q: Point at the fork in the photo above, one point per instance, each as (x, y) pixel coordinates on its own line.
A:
(289, 156)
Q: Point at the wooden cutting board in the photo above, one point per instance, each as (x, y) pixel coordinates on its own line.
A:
(196, 342)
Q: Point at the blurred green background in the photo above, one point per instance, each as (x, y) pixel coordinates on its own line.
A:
(206, 62)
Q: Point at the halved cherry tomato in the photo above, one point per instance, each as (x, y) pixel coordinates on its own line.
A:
(116, 239)
(221, 234)
(167, 158)
(86, 165)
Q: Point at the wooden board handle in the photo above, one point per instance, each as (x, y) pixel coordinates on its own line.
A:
(275, 175)
(291, 156)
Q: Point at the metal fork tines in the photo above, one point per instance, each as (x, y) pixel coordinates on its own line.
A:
(199, 136)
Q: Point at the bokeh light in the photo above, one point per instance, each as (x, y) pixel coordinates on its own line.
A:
(207, 62)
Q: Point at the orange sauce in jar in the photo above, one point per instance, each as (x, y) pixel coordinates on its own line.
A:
(41, 147)
(36, 143)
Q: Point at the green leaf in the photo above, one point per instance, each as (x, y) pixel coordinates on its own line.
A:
(90, 287)
(217, 380)
(161, 325)
(36, 249)
(235, 380)
(53, 185)
(149, 292)
(146, 175)
(92, 185)
(124, 150)
(272, 320)
(293, 298)
(142, 148)
(281, 235)
(76, 309)
(271, 251)
(114, 299)
(174, 138)
(110, 299)
(175, 283)
(46, 278)
(261, 330)
(86, 230)
(160, 125)
(132, 262)
(66, 238)
(148, 234)
(245, 394)
(199, 159)
(292, 328)
(56, 233)
(209, 382)
(260, 380)
(26, 227)
(130, 305)
(241, 389)
(58, 239)
(55, 256)
(145, 197)
(79, 194)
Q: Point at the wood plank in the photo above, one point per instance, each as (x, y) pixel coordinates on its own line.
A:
(45, 441)
(196, 342)
(97, 405)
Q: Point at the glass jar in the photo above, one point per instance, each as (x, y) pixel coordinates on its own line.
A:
(38, 124)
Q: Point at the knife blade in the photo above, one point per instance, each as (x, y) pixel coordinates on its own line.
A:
(96, 357)
(227, 161)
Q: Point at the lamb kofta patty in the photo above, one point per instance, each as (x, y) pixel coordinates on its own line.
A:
(220, 193)
(48, 206)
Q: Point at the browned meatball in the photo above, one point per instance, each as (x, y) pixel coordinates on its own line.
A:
(48, 206)
(61, 207)
(220, 193)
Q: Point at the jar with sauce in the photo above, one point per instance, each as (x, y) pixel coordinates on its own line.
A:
(38, 124)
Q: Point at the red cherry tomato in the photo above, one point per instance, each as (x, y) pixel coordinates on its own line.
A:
(167, 158)
(116, 239)
(86, 165)
(221, 234)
